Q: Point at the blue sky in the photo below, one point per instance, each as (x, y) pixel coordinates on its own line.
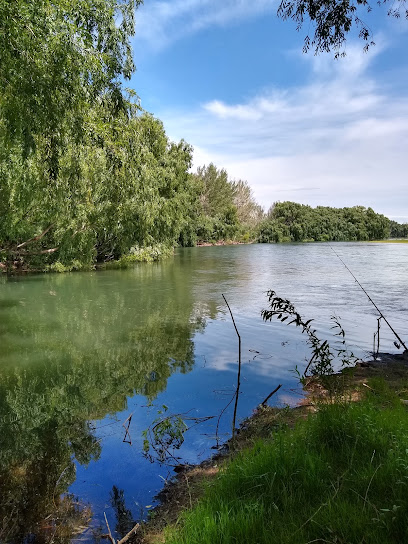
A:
(231, 79)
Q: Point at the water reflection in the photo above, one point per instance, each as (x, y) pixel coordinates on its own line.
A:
(80, 349)
(80, 352)
(124, 518)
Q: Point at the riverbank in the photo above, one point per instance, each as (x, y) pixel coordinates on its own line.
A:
(146, 254)
(346, 461)
(223, 243)
(391, 241)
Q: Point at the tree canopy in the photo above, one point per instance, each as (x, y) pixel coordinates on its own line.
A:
(125, 186)
(226, 209)
(293, 222)
(58, 57)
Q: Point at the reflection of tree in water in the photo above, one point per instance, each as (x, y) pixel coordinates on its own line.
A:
(124, 518)
(81, 358)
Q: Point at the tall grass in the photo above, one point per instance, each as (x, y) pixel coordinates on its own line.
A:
(338, 477)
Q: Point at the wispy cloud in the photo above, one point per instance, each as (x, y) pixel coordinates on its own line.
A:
(161, 22)
(339, 140)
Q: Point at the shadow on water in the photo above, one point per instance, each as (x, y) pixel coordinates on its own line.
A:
(6, 304)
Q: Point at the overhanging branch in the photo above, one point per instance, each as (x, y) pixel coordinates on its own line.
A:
(36, 238)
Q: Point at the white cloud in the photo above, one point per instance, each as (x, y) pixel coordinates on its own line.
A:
(338, 140)
(253, 111)
(161, 22)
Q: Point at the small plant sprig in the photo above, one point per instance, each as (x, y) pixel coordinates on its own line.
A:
(323, 355)
(165, 436)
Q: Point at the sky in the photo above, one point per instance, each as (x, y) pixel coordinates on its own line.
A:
(231, 79)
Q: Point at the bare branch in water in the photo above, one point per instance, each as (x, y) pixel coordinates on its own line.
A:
(270, 395)
(239, 370)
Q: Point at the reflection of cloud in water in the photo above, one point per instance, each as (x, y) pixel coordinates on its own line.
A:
(288, 399)
(222, 361)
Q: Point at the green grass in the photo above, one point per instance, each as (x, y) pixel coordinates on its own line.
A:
(393, 241)
(338, 477)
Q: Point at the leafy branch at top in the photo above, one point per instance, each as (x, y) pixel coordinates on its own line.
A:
(333, 20)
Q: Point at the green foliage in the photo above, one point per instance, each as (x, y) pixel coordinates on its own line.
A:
(125, 186)
(218, 216)
(324, 356)
(398, 230)
(292, 222)
(85, 175)
(137, 255)
(249, 212)
(225, 210)
(338, 477)
(58, 57)
(164, 436)
(333, 20)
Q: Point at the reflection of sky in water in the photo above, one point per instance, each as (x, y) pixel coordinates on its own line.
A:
(120, 319)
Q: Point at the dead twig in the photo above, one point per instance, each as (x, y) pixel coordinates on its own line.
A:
(126, 427)
(130, 533)
(109, 531)
(220, 416)
(270, 395)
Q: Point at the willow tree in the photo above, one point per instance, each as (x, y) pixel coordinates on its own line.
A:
(56, 58)
(84, 174)
(125, 185)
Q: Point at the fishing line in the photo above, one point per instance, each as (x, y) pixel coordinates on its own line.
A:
(370, 299)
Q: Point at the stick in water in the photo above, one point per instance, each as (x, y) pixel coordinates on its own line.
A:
(270, 395)
(239, 370)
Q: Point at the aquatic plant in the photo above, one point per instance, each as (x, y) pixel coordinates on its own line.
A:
(325, 357)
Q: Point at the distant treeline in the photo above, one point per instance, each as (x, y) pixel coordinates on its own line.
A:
(224, 209)
(292, 222)
(398, 230)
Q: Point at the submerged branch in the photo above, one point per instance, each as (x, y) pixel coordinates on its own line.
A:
(270, 395)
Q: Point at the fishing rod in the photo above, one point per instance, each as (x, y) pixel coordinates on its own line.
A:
(371, 300)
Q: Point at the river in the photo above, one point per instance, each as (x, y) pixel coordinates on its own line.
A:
(82, 352)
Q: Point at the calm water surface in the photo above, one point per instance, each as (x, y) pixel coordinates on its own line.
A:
(81, 352)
